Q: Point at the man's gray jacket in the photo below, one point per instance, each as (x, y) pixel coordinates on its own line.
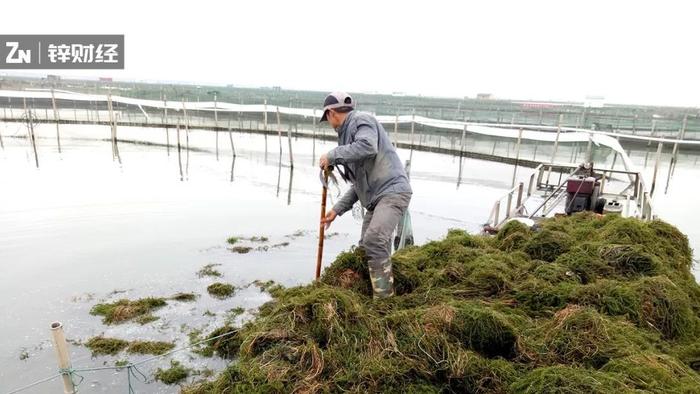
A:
(364, 148)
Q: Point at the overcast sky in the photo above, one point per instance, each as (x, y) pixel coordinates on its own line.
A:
(627, 51)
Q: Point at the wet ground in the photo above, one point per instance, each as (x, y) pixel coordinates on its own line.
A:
(83, 228)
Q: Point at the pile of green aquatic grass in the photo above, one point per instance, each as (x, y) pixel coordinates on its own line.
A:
(220, 290)
(125, 310)
(578, 304)
(111, 346)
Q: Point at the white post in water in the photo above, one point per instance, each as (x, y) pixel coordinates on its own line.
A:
(59, 342)
(55, 118)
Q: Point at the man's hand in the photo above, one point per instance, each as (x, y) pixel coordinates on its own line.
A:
(323, 161)
(330, 217)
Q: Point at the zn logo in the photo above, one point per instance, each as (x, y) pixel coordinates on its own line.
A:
(16, 55)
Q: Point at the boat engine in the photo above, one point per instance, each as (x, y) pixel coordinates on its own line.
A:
(582, 191)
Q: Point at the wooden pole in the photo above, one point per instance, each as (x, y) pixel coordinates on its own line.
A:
(289, 189)
(396, 130)
(265, 114)
(55, 118)
(113, 122)
(216, 126)
(656, 168)
(313, 140)
(556, 146)
(681, 135)
(413, 128)
(165, 121)
(63, 355)
(30, 131)
(517, 157)
(322, 227)
(279, 129)
(179, 155)
(187, 138)
(230, 137)
(291, 155)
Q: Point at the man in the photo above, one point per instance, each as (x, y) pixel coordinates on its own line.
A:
(378, 179)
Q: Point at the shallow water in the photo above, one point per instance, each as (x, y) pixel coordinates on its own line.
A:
(83, 228)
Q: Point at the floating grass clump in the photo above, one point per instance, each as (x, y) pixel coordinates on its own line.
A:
(220, 290)
(241, 249)
(184, 297)
(126, 310)
(173, 375)
(111, 346)
(577, 304)
(209, 270)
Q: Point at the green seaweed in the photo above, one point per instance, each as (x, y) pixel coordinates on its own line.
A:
(582, 303)
(209, 270)
(125, 310)
(173, 375)
(100, 346)
(220, 290)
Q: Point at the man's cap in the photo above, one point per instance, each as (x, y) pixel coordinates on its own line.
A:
(336, 100)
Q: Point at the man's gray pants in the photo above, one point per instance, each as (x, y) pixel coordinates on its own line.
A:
(377, 229)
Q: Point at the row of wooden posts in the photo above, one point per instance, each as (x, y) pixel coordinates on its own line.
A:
(115, 149)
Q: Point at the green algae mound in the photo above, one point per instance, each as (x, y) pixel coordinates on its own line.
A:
(579, 304)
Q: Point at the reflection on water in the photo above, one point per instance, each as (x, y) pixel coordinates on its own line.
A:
(82, 226)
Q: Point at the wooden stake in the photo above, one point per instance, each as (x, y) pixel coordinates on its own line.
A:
(230, 137)
(55, 118)
(216, 126)
(656, 168)
(517, 157)
(279, 129)
(413, 128)
(61, 346)
(30, 131)
(187, 139)
(179, 156)
(291, 155)
(265, 114)
(165, 121)
(396, 130)
(322, 227)
(556, 146)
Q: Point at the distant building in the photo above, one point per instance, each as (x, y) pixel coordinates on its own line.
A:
(277, 88)
(594, 102)
(484, 96)
(105, 79)
(53, 78)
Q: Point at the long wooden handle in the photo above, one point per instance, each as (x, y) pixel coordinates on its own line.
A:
(322, 226)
